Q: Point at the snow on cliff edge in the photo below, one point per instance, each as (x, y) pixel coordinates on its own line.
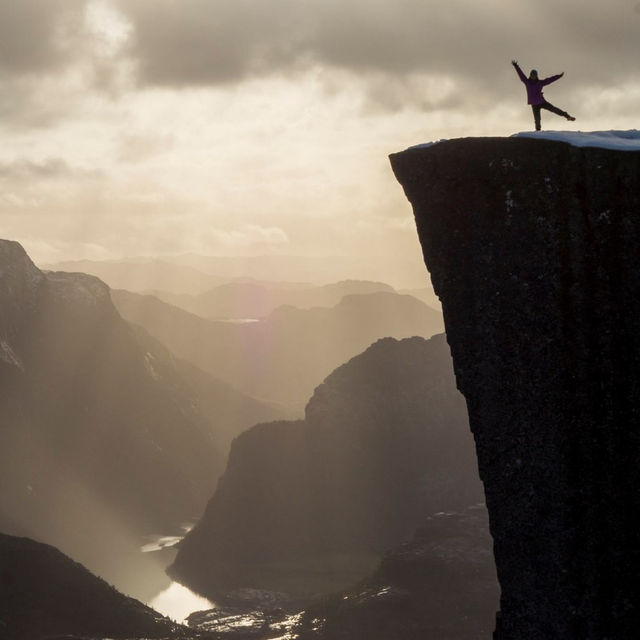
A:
(617, 140)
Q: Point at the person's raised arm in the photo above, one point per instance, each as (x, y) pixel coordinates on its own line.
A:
(519, 70)
(551, 79)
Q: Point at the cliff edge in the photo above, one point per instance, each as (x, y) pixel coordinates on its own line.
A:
(532, 246)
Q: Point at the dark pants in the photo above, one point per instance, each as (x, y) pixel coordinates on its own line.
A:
(549, 107)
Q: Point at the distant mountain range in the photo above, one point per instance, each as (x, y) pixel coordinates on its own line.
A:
(309, 506)
(105, 436)
(426, 294)
(240, 300)
(284, 356)
(192, 274)
(408, 268)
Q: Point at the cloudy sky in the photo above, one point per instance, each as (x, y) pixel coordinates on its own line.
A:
(140, 127)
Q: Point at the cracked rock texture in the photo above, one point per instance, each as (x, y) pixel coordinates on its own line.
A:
(533, 249)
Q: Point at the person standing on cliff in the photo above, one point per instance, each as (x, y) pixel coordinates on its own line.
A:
(534, 93)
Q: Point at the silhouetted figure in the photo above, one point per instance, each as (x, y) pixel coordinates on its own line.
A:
(534, 93)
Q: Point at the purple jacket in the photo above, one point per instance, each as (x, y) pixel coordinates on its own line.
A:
(534, 87)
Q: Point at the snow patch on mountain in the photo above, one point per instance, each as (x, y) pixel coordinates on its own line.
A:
(148, 359)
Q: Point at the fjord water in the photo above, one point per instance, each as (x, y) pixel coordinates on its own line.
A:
(175, 600)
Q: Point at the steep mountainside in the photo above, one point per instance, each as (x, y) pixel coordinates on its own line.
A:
(104, 437)
(309, 506)
(285, 356)
(45, 594)
(533, 247)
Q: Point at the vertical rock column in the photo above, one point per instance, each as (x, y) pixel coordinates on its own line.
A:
(534, 250)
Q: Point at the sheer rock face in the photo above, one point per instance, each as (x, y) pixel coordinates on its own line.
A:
(533, 250)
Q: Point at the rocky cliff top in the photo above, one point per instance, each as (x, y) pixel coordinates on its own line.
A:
(615, 140)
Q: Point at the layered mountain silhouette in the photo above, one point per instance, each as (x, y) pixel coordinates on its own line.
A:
(194, 274)
(316, 269)
(309, 506)
(144, 273)
(104, 435)
(45, 594)
(426, 294)
(240, 300)
(283, 357)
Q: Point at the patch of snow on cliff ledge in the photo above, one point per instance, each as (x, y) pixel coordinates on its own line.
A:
(616, 140)
(423, 145)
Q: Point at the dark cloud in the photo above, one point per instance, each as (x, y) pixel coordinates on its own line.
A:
(203, 42)
(35, 35)
(383, 47)
(212, 42)
(40, 40)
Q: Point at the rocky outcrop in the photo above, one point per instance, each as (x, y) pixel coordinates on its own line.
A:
(533, 246)
(309, 506)
(440, 584)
